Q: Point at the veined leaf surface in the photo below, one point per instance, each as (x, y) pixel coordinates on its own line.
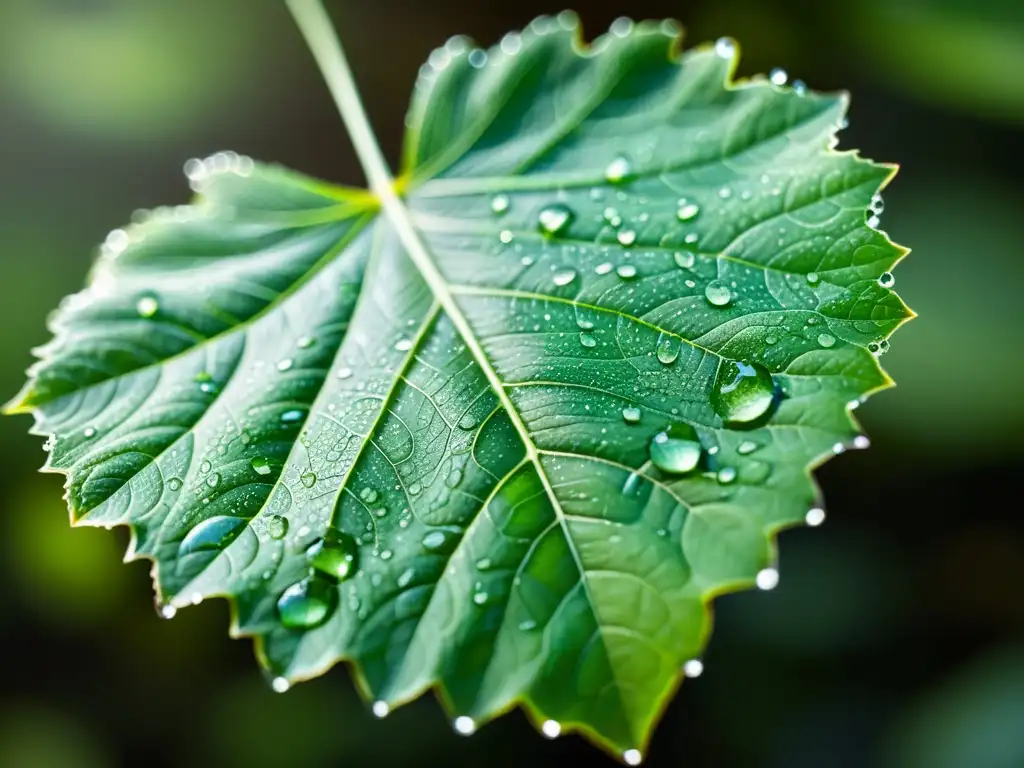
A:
(520, 476)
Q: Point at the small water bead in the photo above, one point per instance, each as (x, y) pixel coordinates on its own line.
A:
(168, 611)
(717, 293)
(551, 729)
(147, 306)
(285, 365)
(693, 668)
(676, 450)
(746, 448)
(725, 193)
(726, 475)
(877, 205)
(725, 47)
(605, 268)
(667, 349)
(815, 517)
(174, 484)
(406, 577)
(813, 278)
(554, 218)
(626, 271)
(434, 540)
(277, 527)
(588, 340)
(344, 373)
(464, 725)
(369, 495)
(213, 480)
(687, 211)
(500, 203)
(280, 684)
(618, 170)
(778, 76)
(861, 442)
(563, 277)
(292, 417)
(631, 414)
(826, 340)
(742, 392)
(684, 259)
(212, 534)
(506, 236)
(886, 280)
(480, 598)
(335, 556)
(205, 467)
(306, 342)
(403, 345)
(527, 625)
(632, 757)
(767, 578)
(307, 604)
(261, 466)
(381, 708)
(799, 87)
(611, 216)
(626, 237)
(308, 479)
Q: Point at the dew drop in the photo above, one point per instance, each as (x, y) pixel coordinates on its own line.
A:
(886, 280)
(746, 447)
(554, 219)
(308, 479)
(280, 684)
(174, 484)
(335, 556)
(684, 259)
(693, 668)
(726, 475)
(551, 729)
(406, 577)
(767, 578)
(676, 450)
(626, 271)
(527, 625)
(168, 611)
(464, 725)
(213, 480)
(261, 465)
(815, 517)
(147, 306)
(668, 348)
(403, 345)
(717, 293)
(778, 76)
(813, 278)
(861, 442)
(285, 365)
(742, 392)
(631, 414)
(632, 757)
(826, 340)
(211, 534)
(277, 527)
(345, 373)
(307, 604)
(505, 236)
(687, 211)
(626, 237)
(500, 204)
(369, 495)
(588, 340)
(480, 598)
(381, 709)
(605, 268)
(612, 217)
(618, 170)
(306, 342)
(725, 47)
(725, 193)
(434, 540)
(564, 276)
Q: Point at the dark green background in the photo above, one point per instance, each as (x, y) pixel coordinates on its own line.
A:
(896, 636)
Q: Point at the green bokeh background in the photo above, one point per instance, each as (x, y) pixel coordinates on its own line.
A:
(896, 635)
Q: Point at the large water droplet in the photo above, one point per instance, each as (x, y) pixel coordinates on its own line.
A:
(307, 604)
(588, 340)
(368, 494)
(211, 534)
(746, 447)
(687, 211)
(551, 729)
(277, 527)
(676, 450)
(308, 479)
(626, 237)
(261, 466)
(684, 259)
(726, 475)
(434, 540)
(826, 340)
(668, 348)
(886, 280)
(631, 414)
(743, 392)
(554, 218)
(626, 271)
(147, 306)
(336, 555)
(725, 47)
(632, 757)
(464, 725)
(717, 293)
(564, 276)
(618, 170)
(778, 76)
(285, 365)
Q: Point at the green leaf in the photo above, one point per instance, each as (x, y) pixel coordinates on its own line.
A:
(518, 472)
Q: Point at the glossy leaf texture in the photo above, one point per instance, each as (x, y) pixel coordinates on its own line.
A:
(672, 298)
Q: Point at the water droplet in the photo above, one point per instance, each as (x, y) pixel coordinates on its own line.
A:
(344, 373)
(506, 236)
(717, 293)
(877, 205)
(553, 219)
(214, 533)
(725, 193)
(336, 555)
(626, 271)
(812, 278)
(726, 475)
(743, 392)
(605, 268)
(381, 709)
(826, 340)
(693, 668)
(551, 729)
(767, 578)
(626, 237)
(174, 484)
(874, 221)
(861, 442)
(500, 203)
(147, 306)
(618, 170)
(564, 276)
(687, 211)
(527, 625)
(684, 259)
(285, 365)
(480, 598)
(306, 342)
(631, 414)
(213, 480)
(308, 479)
(292, 417)
(746, 447)
(386, 554)
(261, 466)
(434, 540)
(403, 345)
(886, 280)
(277, 527)
(799, 87)
(815, 517)
(668, 348)
(632, 757)
(725, 47)
(307, 604)
(406, 577)
(588, 340)
(676, 450)
(612, 217)
(369, 495)
(778, 76)
(280, 684)
(464, 725)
